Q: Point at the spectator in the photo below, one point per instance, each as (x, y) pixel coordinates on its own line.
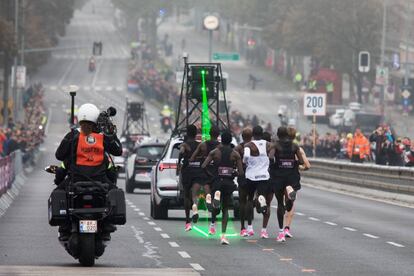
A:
(358, 147)
(378, 137)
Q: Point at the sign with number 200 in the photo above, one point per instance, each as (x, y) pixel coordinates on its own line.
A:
(314, 104)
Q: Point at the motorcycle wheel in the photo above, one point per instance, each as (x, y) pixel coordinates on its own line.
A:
(87, 249)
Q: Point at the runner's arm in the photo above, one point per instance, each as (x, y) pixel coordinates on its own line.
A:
(303, 160)
(239, 163)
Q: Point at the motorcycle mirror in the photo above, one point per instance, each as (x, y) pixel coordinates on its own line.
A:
(111, 111)
(51, 169)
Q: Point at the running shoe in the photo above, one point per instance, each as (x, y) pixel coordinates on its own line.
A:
(195, 213)
(281, 237)
(212, 230)
(250, 233)
(264, 234)
(188, 227)
(224, 240)
(262, 207)
(287, 233)
(208, 203)
(243, 233)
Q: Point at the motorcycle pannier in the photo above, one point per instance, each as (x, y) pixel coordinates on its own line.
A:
(116, 201)
(57, 206)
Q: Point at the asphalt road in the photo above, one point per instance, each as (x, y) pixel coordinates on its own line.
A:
(334, 234)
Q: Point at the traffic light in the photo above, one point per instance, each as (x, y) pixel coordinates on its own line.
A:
(97, 48)
(364, 62)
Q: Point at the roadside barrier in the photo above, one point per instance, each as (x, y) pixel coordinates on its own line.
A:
(394, 179)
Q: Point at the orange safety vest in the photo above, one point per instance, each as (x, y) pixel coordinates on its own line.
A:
(90, 151)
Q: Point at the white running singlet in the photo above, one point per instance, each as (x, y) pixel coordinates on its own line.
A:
(258, 166)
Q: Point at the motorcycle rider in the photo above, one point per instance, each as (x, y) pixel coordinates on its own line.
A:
(166, 114)
(92, 63)
(84, 152)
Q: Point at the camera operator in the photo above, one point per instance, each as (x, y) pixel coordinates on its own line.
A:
(89, 148)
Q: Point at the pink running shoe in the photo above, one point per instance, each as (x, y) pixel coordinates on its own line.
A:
(250, 233)
(243, 233)
(224, 240)
(188, 227)
(264, 234)
(212, 230)
(287, 233)
(281, 237)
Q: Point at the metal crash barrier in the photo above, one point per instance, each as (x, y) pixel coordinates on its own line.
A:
(394, 179)
(7, 172)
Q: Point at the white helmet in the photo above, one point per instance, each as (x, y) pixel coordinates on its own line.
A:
(88, 112)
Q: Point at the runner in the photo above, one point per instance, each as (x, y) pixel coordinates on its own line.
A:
(189, 171)
(225, 161)
(289, 203)
(285, 158)
(203, 180)
(257, 178)
(241, 181)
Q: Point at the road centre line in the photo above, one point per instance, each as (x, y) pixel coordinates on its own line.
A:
(137, 209)
(350, 229)
(197, 267)
(158, 229)
(145, 218)
(184, 254)
(395, 244)
(330, 223)
(174, 244)
(165, 236)
(314, 219)
(370, 236)
(141, 214)
(151, 223)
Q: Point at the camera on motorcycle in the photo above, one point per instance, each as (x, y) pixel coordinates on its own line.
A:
(51, 169)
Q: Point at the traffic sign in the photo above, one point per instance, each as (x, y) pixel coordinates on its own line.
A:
(382, 74)
(364, 62)
(20, 76)
(226, 56)
(314, 104)
(406, 94)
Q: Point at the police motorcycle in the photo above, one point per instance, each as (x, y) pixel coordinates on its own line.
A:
(92, 64)
(166, 115)
(87, 208)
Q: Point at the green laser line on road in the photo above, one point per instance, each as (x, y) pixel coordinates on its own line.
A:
(205, 116)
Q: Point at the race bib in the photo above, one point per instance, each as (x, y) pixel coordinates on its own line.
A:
(286, 164)
(225, 171)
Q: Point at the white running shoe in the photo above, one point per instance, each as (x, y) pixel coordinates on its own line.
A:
(224, 240)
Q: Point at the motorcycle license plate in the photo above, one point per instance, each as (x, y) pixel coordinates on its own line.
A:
(88, 226)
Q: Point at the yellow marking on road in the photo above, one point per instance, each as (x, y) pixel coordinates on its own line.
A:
(252, 241)
(267, 249)
(308, 270)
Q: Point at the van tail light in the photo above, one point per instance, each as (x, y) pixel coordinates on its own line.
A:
(87, 206)
(141, 160)
(165, 166)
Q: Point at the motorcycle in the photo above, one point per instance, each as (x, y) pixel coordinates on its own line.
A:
(86, 208)
(166, 124)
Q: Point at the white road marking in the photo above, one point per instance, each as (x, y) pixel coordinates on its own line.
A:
(314, 219)
(184, 254)
(119, 88)
(370, 236)
(330, 223)
(86, 88)
(133, 206)
(98, 88)
(299, 214)
(151, 223)
(350, 229)
(157, 229)
(165, 236)
(136, 209)
(197, 267)
(395, 244)
(174, 244)
(109, 88)
(53, 88)
(141, 214)
(145, 218)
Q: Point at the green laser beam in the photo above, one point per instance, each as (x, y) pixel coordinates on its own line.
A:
(200, 231)
(205, 116)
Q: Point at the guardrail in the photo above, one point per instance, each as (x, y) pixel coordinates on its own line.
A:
(394, 179)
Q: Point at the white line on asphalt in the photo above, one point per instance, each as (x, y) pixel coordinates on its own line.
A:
(109, 88)
(145, 218)
(53, 88)
(151, 223)
(165, 236)
(174, 244)
(350, 229)
(299, 214)
(86, 88)
(370, 236)
(98, 88)
(68, 69)
(184, 254)
(330, 223)
(48, 121)
(395, 244)
(137, 210)
(141, 214)
(119, 88)
(314, 219)
(133, 206)
(157, 229)
(197, 267)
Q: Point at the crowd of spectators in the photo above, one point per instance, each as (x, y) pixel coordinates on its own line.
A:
(28, 134)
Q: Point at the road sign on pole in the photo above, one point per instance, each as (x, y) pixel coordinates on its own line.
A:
(381, 77)
(314, 104)
(226, 56)
(19, 76)
(363, 62)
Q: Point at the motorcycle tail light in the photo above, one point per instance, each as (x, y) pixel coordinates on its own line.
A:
(87, 206)
(165, 166)
(87, 197)
(141, 160)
